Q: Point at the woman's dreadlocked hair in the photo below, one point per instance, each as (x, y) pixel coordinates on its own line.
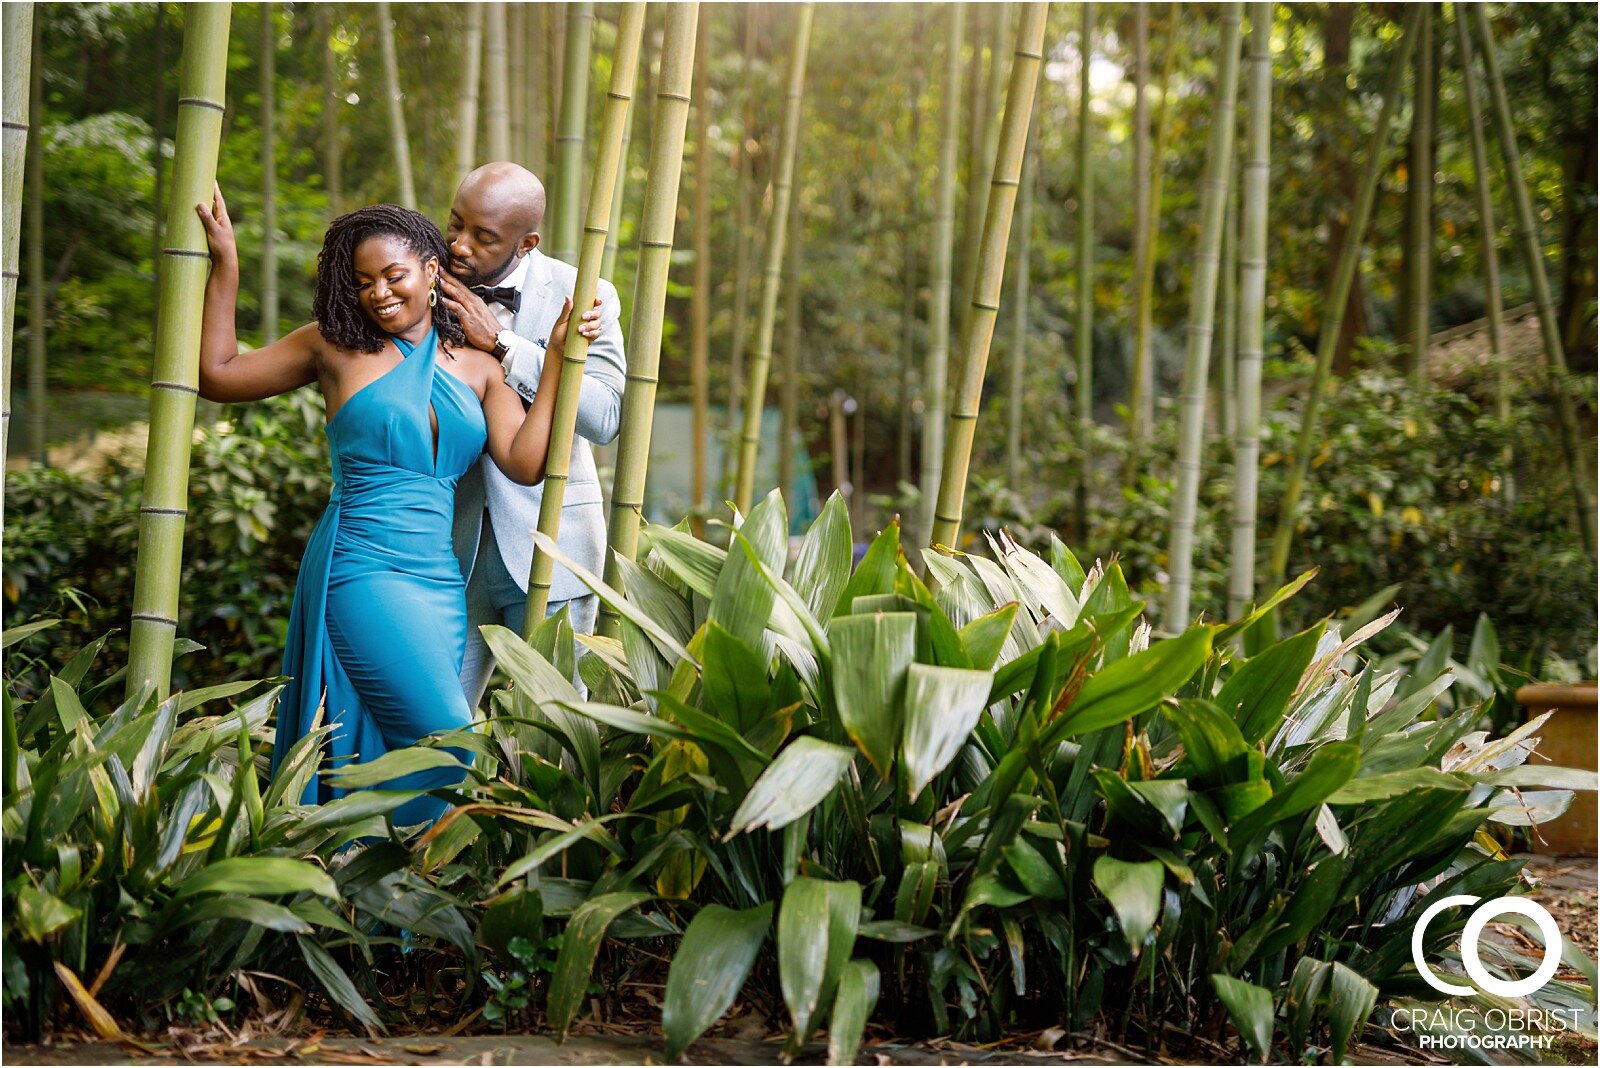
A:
(335, 304)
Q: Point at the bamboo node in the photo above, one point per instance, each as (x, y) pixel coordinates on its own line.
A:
(185, 252)
(163, 511)
(148, 617)
(201, 102)
(179, 387)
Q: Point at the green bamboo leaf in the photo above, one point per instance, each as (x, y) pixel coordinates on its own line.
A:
(803, 774)
(1250, 1008)
(858, 993)
(392, 765)
(1133, 685)
(822, 569)
(192, 699)
(871, 656)
(569, 981)
(876, 572)
(1154, 807)
(1134, 891)
(13, 635)
(742, 602)
(337, 984)
(718, 950)
(895, 932)
(942, 705)
(816, 932)
(1257, 695)
(1351, 999)
(262, 876)
(1255, 614)
(1039, 583)
(707, 729)
(347, 811)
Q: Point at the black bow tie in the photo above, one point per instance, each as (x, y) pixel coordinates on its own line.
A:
(509, 296)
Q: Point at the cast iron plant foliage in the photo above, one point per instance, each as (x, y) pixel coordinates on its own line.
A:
(1000, 791)
(147, 851)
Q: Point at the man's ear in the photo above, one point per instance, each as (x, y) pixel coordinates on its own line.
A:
(530, 241)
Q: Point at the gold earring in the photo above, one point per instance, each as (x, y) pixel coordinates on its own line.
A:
(433, 295)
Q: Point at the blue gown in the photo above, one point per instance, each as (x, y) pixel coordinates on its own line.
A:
(379, 622)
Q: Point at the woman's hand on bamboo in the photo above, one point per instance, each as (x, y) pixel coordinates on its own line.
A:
(589, 326)
(219, 230)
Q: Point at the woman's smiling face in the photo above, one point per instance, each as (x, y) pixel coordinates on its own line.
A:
(392, 283)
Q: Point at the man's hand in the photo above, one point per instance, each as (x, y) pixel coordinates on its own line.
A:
(477, 320)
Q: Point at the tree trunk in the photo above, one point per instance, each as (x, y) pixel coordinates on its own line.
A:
(1252, 308)
(1337, 22)
(569, 141)
(908, 262)
(656, 229)
(397, 115)
(1420, 180)
(38, 394)
(497, 78)
(269, 175)
(1338, 298)
(1533, 260)
(984, 149)
(467, 96)
(1578, 251)
(1017, 370)
(963, 419)
(700, 299)
(777, 225)
(788, 384)
(935, 371)
(1215, 188)
(624, 75)
(744, 248)
(1142, 402)
(1083, 333)
(332, 101)
(1489, 251)
(18, 43)
(176, 371)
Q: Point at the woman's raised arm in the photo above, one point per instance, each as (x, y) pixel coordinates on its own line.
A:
(226, 374)
(519, 441)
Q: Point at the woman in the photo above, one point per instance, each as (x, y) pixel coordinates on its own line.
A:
(378, 627)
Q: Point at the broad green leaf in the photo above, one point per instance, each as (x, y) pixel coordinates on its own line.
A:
(532, 673)
(1250, 1008)
(669, 646)
(708, 970)
(734, 678)
(15, 634)
(192, 699)
(876, 572)
(267, 914)
(942, 705)
(656, 599)
(1033, 870)
(1308, 908)
(1156, 807)
(694, 562)
(1364, 789)
(1430, 665)
(1544, 775)
(1306, 987)
(38, 914)
(1257, 695)
(803, 774)
(894, 932)
(392, 765)
(858, 993)
(822, 569)
(1065, 564)
(629, 720)
(1039, 584)
(1134, 891)
(1214, 750)
(580, 944)
(1331, 767)
(259, 876)
(1133, 685)
(985, 636)
(337, 984)
(1251, 617)
(517, 912)
(742, 602)
(816, 931)
(1351, 999)
(871, 656)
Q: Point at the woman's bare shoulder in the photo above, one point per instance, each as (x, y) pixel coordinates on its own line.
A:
(478, 367)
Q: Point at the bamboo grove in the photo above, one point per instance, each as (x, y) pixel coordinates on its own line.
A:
(523, 90)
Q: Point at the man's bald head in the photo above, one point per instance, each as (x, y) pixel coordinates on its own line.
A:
(507, 191)
(494, 222)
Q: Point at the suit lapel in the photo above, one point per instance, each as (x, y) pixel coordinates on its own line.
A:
(536, 316)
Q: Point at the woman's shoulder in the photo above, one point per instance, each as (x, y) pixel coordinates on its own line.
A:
(477, 363)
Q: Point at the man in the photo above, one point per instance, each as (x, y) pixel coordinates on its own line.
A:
(508, 295)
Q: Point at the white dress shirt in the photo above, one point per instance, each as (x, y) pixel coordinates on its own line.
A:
(519, 347)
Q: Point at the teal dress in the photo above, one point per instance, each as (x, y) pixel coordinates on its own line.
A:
(379, 623)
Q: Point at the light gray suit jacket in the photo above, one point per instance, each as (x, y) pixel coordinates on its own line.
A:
(513, 508)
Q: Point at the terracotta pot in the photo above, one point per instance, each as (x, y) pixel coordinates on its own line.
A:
(1567, 740)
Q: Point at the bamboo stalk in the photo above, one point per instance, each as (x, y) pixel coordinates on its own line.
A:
(1527, 234)
(269, 175)
(158, 124)
(1489, 251)
(557, 16)
(700, 298)
(1420, 181)
(516, 83)
(332, 100)
(1019, 315)
(985, 144)
(985, 299)
(656, 229)
(614, 235)
(1141, 201)
(1338, 297)
(467, 96)
(908, 262)
(38, 394)
(1142, 402)
(17, 112)
(1214, 192)
(569, 139)
(782, 183)
(624, 70)
(176, 372)
(1252, 307)
(744, 248)
(496, 78)
(936, 365)
(397, 115)
(1227, 336)
(1083, 333)
(534, 81)
(788, 381)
